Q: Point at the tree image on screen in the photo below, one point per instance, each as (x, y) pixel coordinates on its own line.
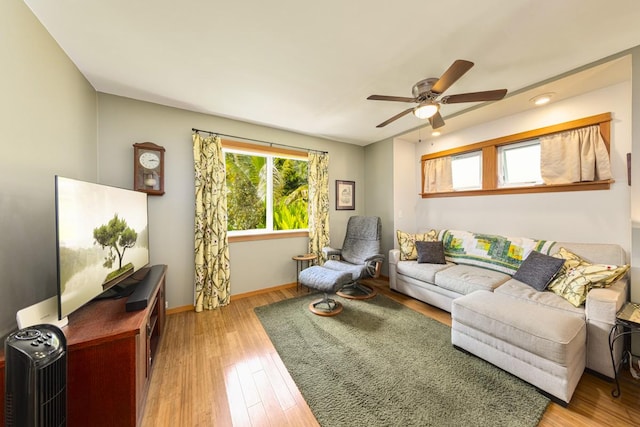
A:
(117, 236)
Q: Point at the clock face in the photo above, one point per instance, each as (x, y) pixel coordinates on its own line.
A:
(149, 160)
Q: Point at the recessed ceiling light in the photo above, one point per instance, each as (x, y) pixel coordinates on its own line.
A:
(542, 99)
(435, 133)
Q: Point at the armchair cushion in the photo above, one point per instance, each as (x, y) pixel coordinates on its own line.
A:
(362, 239)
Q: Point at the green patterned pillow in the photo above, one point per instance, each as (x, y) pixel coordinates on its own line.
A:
(407, 243)
(577, 277)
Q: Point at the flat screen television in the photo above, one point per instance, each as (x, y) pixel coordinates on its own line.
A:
(102, 239)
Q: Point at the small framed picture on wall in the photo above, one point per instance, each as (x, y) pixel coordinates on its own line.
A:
(345, 195)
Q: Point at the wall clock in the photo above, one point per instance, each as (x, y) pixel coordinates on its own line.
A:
(148, 168)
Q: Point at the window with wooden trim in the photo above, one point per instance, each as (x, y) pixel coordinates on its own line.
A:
(508, 164)
(519, 164)
(267, 190)
(466, 171)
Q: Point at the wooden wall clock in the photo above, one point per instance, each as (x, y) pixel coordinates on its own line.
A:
(148, 168)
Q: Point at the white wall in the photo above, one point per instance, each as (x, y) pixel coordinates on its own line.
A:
(254, 265)
(47, 127)
(582, 216)
(405, 187)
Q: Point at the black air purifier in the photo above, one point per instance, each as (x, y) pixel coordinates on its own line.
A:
(36, 377)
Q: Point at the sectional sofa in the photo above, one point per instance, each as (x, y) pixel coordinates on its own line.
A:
(546, 338)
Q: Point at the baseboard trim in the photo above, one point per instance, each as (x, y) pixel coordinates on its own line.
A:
(184, 308)
(263, 291)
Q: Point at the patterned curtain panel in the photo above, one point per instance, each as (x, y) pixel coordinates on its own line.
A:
(318, 168)
(212, 284)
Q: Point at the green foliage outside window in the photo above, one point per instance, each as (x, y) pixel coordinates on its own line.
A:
(247, 192)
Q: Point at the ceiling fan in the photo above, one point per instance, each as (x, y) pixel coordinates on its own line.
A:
(427, 91)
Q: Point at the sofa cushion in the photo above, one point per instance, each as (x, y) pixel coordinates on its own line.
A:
(551, 334)
(407, 243)
(516, 289)
(537, 270)
(423, 272)
(430, 252)
(465, 279)
(579, 276)
(499, 253)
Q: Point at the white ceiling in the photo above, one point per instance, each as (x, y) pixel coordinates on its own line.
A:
(309, 66)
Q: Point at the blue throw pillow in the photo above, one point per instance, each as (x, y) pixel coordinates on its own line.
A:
(538, 269)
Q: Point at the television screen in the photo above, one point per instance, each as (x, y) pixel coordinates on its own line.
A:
(102, 239)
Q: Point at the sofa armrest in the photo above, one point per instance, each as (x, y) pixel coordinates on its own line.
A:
(394, 256)
(603, 303)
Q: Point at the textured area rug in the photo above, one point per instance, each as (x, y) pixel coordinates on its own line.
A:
(379, 363)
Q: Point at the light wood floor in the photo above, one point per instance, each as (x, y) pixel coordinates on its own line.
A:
(219, 369)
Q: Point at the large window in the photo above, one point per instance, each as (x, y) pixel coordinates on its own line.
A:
(266, 192)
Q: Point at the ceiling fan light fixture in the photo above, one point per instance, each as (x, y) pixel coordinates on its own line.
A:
(426, 110)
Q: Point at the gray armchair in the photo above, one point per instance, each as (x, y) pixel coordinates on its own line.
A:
(360, 255)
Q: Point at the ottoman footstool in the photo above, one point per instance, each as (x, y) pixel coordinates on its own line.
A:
(542, 345)
(327, 281)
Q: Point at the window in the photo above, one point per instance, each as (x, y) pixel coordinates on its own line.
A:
(266, 191)
(511, 164)
(519, 164)
(466, 171)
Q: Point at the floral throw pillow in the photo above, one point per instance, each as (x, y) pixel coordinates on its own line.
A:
(407, 243)
(577, 277)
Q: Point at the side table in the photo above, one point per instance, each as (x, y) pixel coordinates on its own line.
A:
(627, 323)
(300, 260)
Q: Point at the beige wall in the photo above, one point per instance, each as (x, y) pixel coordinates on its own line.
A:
(254, 265)
(47, 127)
(379, 191)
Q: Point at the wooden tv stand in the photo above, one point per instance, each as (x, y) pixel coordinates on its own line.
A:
(110, 355)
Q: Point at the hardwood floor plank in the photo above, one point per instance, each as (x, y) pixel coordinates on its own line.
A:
(278, 384)
(220, 369)
(235, 399)
(258, 416)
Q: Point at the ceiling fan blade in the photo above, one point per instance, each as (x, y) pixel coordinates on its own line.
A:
(455, 71)
(436, 121)
(391, 98)
(394, 118)
(489, 95)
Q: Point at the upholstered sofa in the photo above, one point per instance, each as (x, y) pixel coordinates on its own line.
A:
(539, 336)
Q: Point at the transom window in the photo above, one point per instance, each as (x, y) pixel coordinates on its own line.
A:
(466, 171)
(519, 164)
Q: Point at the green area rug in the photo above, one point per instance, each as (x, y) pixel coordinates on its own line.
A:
(379, 363)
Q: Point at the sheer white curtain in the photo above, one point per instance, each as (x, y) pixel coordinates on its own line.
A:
(437, 175)
(574, 156)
